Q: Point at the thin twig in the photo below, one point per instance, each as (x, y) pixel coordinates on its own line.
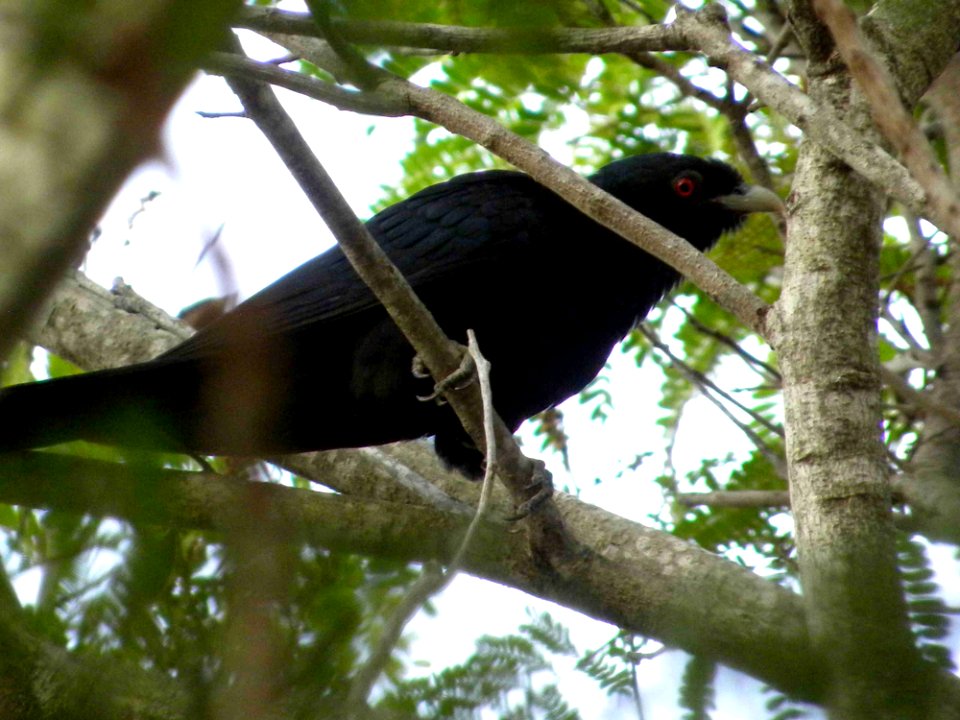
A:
(482, 368)
(781, 42)
(236, 66)
(430, 582)
(926, 298)
(919, 399)
(752, 361)
(921, 353)
(707, 385)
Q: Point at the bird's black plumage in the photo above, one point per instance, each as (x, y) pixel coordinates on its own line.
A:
(313, 361)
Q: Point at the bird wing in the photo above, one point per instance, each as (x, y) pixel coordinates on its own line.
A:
(436, 234)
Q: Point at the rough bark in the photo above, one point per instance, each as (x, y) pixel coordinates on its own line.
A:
(839, 492)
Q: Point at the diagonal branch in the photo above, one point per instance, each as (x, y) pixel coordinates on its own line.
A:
(432, 580)
(456, 117)
(889, 113)
(441, 356)
(708, 388)
(704, 30)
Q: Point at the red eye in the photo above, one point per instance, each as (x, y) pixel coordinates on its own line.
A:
(684, 186)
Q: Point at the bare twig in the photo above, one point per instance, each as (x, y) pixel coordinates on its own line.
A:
(919, 351)
(482, 366)
(431, 581)
(926, 299)
(752, 361)
(781, 42)
(705, 383)
(231, 65)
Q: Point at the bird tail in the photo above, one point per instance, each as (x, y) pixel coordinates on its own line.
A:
(35, 414)
(111, 406)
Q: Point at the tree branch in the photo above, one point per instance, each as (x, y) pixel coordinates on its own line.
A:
(441, 356)
(451, 114)
(737, 499)
(890, 115)
(458, 39)
(628, 575)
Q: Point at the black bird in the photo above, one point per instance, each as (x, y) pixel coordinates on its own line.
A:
(313, 361)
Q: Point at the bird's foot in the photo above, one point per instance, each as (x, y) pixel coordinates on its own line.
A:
(542, 482)
(457, 380)
(419, 369)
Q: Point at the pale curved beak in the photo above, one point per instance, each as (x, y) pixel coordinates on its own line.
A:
(753, 198)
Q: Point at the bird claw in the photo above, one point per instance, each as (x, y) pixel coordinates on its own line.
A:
(542, 481)
(457, 380)
(419, 369)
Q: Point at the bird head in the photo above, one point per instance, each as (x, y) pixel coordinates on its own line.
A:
(698, 199)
